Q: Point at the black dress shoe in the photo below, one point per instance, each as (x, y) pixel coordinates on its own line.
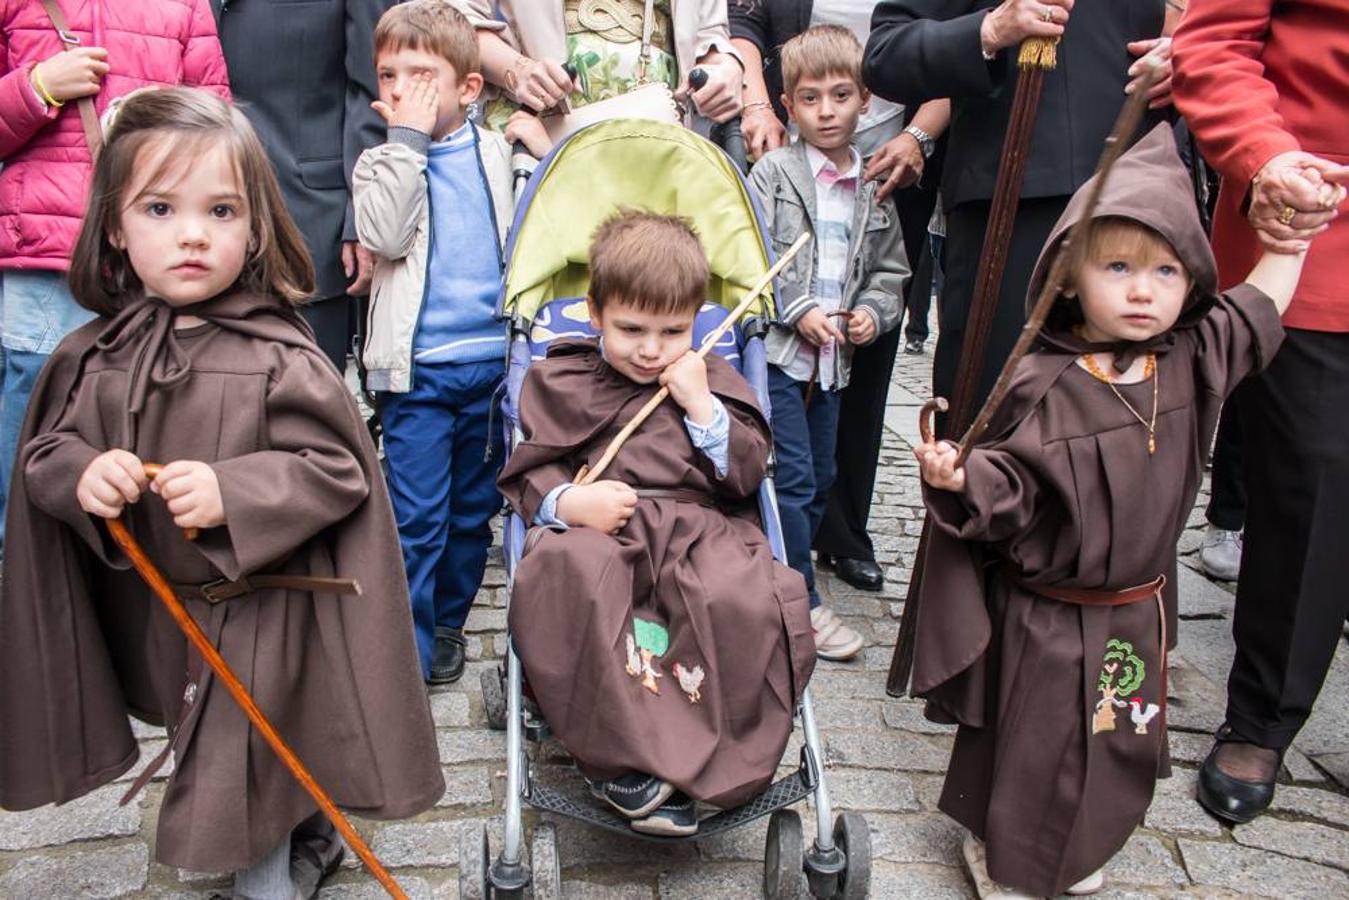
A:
(862, 574)
(678, 817)
(635, 795)
(1231, 799)
(447, 656)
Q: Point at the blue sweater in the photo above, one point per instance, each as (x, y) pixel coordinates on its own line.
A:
(458, 321)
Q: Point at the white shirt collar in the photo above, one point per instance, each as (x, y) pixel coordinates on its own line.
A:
(818, 161)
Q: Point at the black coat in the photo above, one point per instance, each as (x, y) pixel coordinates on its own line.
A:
(920, 50)
(304, 73)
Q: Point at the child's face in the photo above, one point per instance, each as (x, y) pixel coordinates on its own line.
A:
(396, 70)
(186, 235)
(826, 109)
(641, 344)
(1131, 298)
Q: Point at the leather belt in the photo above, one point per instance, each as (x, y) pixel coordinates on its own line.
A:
(679, 495)
(1088, 597)
(222, 589)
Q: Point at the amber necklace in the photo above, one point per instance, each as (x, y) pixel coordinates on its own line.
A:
(1149, 371)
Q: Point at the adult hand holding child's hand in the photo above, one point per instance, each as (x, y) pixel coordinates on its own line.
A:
(417, 108)
(1294, 197)
(605, 505)
(114, 479)
(937, 461)
(686, 378)
(191, 491)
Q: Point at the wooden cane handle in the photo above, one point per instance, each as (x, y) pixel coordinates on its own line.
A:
(936, 404)
(152, 471)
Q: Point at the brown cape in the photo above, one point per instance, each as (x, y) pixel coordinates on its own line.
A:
(83, 642)
(1059, 745)
(736, 622)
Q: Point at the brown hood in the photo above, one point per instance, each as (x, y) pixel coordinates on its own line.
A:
(1148, 184)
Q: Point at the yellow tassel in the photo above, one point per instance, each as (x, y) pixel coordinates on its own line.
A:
(1038, 52)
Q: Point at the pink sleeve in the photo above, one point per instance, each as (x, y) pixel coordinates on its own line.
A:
(203, 60)
(22, 114)
(1221, 89)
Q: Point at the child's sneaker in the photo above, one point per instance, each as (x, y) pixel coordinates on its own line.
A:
(833, 639)
(678, 817)
(1089, 885)
(635, 795)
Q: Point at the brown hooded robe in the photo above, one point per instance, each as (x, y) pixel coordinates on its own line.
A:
(737, 622)
(83, 642)
(1062, 706)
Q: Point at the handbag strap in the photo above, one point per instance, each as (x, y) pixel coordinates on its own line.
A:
(648, 28)
(93, 134)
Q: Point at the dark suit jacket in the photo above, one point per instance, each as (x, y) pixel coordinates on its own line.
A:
(304, 72)
(923, 49)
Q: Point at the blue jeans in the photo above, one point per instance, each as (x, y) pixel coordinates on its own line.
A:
(803, 443)
(36, 311)
(443, 487)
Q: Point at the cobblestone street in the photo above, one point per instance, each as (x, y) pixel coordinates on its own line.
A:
(883, 759)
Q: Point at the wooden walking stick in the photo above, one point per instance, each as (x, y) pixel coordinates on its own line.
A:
(162, 589)
(588, 474)
(1035, 56)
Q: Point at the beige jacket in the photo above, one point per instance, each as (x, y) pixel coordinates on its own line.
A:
(535, 27)
(393, 221)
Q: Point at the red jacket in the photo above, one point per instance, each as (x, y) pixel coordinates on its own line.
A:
(1256, 78)
(47, 168)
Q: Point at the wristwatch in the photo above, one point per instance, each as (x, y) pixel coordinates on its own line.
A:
(926, 143)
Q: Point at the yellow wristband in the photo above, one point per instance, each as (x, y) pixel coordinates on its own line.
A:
(42, 88)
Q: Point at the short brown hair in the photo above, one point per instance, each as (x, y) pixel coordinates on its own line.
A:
(278, 263)
(819, 51)
(433, 26)
(652, 262)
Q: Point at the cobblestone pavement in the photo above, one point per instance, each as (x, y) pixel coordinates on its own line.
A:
(883, 759)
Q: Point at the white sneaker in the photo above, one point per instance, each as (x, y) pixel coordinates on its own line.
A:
(833, 639)
(973, 850)
(1221, 553)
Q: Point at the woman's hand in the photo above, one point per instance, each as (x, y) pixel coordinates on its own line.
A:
(114, 479)
(524, 127)
(191, 491)
(71, 74)
(1294, 197)
(719, 99)
(1153, 54)
(1015, 20)
(897, 164)
(539, 84)
(937, 462)
(762, 130)
(605, 505)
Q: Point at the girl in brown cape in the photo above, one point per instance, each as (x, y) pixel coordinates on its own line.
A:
(1048, 602)
(202, 363)
(664, 645)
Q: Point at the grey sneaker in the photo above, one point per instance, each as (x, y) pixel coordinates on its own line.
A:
(1221, 554)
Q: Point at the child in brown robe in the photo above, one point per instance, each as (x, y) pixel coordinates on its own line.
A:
(201, 362)
(1047, 605)
(664, 645)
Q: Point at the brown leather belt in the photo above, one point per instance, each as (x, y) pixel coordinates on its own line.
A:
(1087, 597)
(679, 495)
(221, 589)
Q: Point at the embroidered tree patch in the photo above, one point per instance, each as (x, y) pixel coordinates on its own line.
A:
(1122, 673)
(652, 641)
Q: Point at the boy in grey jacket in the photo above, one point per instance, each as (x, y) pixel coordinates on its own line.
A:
(843, 293)
(433, 205)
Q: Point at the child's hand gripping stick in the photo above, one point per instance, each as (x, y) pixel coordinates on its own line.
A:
(152, 471)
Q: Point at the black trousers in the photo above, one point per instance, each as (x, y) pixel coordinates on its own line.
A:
(1291, 597)
(861, 418)
(331, 320)
(1227, 489)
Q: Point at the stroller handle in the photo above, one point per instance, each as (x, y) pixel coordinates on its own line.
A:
(726, 135)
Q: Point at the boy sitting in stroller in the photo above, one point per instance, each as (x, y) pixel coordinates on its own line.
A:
(664, 645)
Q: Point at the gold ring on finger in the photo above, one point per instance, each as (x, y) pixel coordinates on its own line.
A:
(1286, 215)
(1047, 15)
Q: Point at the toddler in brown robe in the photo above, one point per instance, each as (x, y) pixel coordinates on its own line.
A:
(1049, 599)
(664, 645)
(200, 361)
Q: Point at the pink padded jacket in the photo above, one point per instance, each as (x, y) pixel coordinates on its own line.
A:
(46, 171)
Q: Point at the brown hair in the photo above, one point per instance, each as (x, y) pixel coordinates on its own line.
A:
(1115, 237)
(192, 122)
(819, 51)
(652, 262)
(433, 26)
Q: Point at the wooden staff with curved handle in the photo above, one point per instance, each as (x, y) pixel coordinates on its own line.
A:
(589, 473)
(198, 639)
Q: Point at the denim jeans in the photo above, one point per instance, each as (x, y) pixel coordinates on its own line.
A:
(36, 311)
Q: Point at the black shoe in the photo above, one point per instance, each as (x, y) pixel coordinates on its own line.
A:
(634, 795)
(447, 656)
(1231, 799)
(862, 574)
(913, 348)
(677, 818)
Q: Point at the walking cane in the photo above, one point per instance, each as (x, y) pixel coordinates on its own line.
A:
(587, 474)
(157, 583)
(1126, 124)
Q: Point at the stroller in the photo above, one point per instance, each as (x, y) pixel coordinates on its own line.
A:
(669, 170)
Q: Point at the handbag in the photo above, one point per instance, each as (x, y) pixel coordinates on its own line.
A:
(648, 100)
(93, 132)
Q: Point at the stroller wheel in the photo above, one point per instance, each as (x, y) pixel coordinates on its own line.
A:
(545, 863)
(474, 857)
(783, 858)
(852, 835)
(494, 697)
